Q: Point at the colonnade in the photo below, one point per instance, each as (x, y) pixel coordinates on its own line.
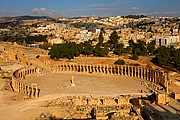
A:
(155, 76)
(21, 73)
(31, 90)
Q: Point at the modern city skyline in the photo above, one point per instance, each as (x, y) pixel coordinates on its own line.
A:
(73, 8)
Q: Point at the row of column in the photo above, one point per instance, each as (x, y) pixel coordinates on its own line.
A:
(23, 72)
(31, 91)
(152, 75)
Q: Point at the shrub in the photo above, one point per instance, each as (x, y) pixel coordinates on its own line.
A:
(135, 57)
(119, 62)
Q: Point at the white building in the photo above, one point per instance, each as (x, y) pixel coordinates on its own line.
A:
(167, 41)
(55, 41)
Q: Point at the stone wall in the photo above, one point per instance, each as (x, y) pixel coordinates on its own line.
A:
(31, 90)
(176, 96)
(162, 98)
(102, 101)
(104, 107)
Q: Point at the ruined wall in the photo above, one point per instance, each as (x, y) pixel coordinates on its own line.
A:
(88, 107)
(102, 101)
(176, 96)
(162, 98)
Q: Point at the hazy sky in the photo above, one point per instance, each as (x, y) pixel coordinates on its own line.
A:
(72, 8)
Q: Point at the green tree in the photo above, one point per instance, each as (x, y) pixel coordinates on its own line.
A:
(118, 49)
(101, 37)
(176, 59)
(66, 50)
(127, 50)
(101, 51)
(139, 48)
(135, 57)
(54, 52)
(113, 38)
(151, 48)
(87, 48)
(163, 56)
(131, 43)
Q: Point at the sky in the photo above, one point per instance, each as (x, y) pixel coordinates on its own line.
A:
(77, 8)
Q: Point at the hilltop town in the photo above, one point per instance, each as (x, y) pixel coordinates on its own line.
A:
(163, 30)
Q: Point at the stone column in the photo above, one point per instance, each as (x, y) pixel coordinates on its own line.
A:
(17, 86)
(100, 69)
(28, 90)
(118, 69)
(132, 70)
(75, 67)
(25, 88)
(135, 71)
(107, 69)
(97, 68)
(156, 79)
(115, 70)
(104, 68)
(111, 70)
(87, 67)
(93, 69)
(140, 72)
(154, 76)
(70, 69)
(128, 70)
(32, 91)
(67, 67)
(122, 70)
(90, 68)
(83, 68)
(80, 67)
(36, 94)
(150, 74)
(125, 69)
(147, 74)
(57, 68)
(63, 67)
(20, 87)
(144, 73)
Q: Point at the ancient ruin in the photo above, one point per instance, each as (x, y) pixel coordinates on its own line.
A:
(86, 106)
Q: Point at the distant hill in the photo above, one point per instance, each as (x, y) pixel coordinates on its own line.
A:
(27, 17)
